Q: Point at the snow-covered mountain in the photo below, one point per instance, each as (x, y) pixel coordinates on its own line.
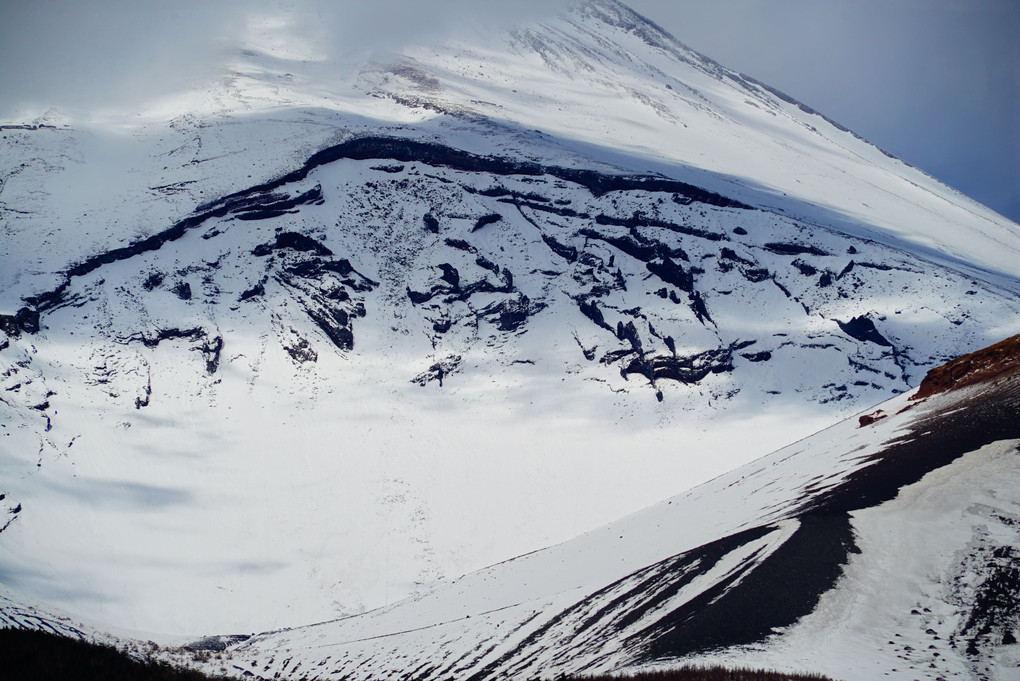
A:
(884, 546)
(310, 339)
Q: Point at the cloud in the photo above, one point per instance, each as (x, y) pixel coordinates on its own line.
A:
(112, 54)
(91, 54)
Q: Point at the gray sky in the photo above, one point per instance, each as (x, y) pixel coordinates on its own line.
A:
(936, 82)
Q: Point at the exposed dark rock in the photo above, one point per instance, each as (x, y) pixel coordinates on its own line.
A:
(762, 356)
(301, 351)
(143, 400)
(263, 201)
(28, 320)
(996, 607)
(629, 333)
(211, 351)
(786, 291)
(568, 253)
(390, 168)
(794, 249)
(740, 230)
(730, 254)
(592, 312)
(487, 264)
(632, 600)
(263, 214)
(805, 269)
(684, 369)
(193, 334)
(513, 312)
(460, 245)
(491, 192)
(639, 220)
(846, 270)
(863, 329)
(935, 440)
(486, 220)
(258, 289)
(699, 308)
(431, 223)
(293, 241)
(450, 275)
(546, 208)
(438, 371)
(428, 153)
(153, 281)
(315, 267)
(636, 247)
(589, 353)
(672, 273)
(182, 290)
(419, 297)
(335, 324)
(327, 302)
(464, 292)
(262, 206)
(825, 280)
(755, 275)
(25, 319)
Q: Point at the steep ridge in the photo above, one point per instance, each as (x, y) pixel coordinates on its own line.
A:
(608, 78)
(434, 315)
(791, 540)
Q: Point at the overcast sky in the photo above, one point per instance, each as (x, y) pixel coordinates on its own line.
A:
(935, 82)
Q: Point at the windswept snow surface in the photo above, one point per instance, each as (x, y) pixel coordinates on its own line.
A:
(255, 403)
(928, 586)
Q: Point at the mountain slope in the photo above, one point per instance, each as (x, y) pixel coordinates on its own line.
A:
(881, 546)
(884, 548)
(332, 341)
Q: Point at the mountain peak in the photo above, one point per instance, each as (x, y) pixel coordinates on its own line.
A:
(618, 15)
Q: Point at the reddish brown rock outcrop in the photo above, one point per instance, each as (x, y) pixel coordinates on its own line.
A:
(982, 366)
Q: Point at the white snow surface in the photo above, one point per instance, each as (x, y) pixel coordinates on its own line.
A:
(278, 490)
(897, 611)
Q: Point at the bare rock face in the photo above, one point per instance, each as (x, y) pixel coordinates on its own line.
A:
(989, 364)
